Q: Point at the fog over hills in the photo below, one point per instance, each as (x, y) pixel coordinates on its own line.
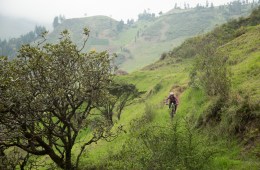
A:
(12, 27)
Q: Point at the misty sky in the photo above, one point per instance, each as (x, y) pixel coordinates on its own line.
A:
(46, 10)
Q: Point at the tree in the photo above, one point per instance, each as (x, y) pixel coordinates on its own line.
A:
(62, 18)
(207, 3)
(122, 95)
(58, 20)
(211, 5)
(47, 97)
(175, 6)
(38, 30)
(130, 22)
(55, 22)
(185, 5)
(146, 15)
(235, 7)
(198, 6)
(120, 25)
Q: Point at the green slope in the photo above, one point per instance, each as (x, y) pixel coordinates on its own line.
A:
(232, 150)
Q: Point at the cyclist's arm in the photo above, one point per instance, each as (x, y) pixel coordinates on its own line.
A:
(166, 101)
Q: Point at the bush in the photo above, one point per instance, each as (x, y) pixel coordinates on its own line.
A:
(163, 56)
(156, 147)
(210, 71)
(212, 113)
(241, 116)
(155, 89)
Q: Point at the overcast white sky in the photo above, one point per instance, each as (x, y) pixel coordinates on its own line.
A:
(46, 10)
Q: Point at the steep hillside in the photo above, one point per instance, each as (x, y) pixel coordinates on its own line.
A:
(141, 43)
(213, 134)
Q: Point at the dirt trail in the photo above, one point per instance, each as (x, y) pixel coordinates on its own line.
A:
(178, 90)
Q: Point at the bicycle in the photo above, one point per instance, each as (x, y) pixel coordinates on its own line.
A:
(173, 109)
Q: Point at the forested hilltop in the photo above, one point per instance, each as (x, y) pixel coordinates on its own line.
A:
(63, 107)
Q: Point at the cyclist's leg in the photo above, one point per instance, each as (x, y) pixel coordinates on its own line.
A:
(170, 104)
(170, 108)
(173, 109)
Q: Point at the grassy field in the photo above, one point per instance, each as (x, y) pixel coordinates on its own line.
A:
(228, 152)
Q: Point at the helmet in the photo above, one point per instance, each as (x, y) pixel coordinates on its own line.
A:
(171, 93)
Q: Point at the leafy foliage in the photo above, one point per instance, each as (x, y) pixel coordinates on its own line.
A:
(210, 71)
(121, 95)
(47, 96)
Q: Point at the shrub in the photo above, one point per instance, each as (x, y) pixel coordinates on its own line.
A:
(240, 116)
(170, 147)
(210, 71)
(163, 56)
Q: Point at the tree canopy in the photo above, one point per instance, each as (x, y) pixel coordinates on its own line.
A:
(47, 96)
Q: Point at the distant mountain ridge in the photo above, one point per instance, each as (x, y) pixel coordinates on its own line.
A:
(142, 42)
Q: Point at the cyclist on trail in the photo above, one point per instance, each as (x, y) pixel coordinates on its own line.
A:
(172, 100)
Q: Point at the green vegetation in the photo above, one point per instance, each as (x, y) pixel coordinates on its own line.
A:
(215, 77)
(220, 129)
(48, 95)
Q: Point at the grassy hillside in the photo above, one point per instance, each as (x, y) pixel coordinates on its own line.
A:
(141, 43)
(214, 75)
(151, 139)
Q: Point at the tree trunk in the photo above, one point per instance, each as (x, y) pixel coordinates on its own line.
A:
(68, 165)
(56, 158)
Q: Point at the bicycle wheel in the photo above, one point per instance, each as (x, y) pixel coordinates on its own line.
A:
(172, 110)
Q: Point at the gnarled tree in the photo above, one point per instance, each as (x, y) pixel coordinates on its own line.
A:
(47, 95)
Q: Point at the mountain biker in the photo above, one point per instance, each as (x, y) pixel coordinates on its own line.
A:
(172, 100)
